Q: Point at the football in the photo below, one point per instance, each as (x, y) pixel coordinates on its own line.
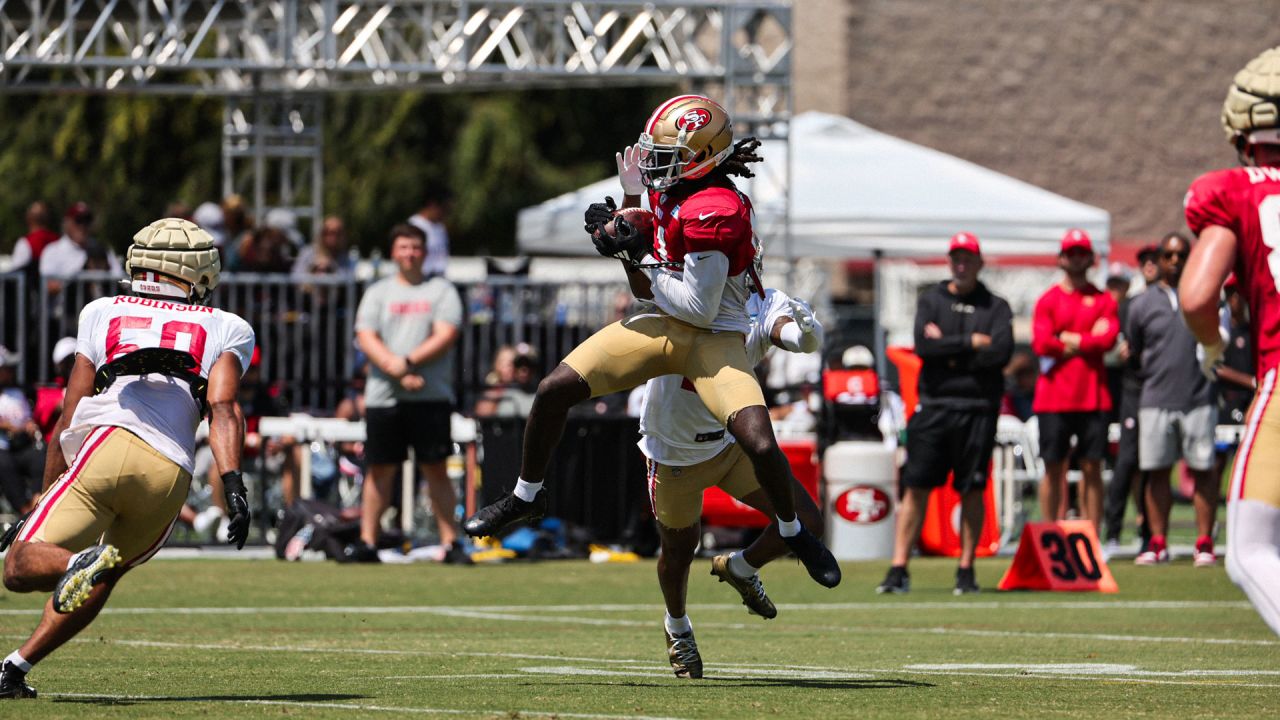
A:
(642, 219)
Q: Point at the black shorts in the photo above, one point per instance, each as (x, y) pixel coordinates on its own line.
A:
(391, 430)
(942, 440)
(1056, 430)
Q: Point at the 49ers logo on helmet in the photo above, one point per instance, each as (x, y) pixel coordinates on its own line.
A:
(695, 119)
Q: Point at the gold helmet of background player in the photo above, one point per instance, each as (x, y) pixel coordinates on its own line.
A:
(684, 139)
(1253, 101)
(179, 249)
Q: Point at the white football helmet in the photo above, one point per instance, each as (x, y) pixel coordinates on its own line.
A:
(684, 139)
(1253, 102)
(175, 248)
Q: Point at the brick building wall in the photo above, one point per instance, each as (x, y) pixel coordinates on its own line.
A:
(1114, 104)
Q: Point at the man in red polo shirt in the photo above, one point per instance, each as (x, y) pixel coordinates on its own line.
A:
(1074, 325)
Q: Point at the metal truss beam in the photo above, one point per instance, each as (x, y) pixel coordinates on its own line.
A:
(295, 45)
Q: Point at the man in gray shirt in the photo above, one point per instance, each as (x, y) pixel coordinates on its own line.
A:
(1176, 410)
(408, 327)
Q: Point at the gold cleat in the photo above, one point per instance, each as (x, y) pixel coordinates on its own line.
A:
(86, 570)
(682, 651)
(751, 589)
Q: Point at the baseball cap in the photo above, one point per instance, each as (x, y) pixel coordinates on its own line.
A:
(1076, 239)
(964, 241)
(79, 212)
(1148, 252)
(1119, 271)
(63, 349)
(1230, 283)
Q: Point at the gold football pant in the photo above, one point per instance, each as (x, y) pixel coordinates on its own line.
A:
(631, 351)
(118, 490)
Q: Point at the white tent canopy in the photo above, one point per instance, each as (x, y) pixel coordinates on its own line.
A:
(855, 191)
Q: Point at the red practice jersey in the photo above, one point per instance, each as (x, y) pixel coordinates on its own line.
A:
(713, 217)
(1246, 201)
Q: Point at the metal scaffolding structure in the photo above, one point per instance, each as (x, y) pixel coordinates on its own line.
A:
(276, 60)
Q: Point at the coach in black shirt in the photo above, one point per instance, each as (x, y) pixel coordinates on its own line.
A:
(964, 335)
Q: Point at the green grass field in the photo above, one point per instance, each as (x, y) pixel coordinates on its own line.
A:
(237, 638)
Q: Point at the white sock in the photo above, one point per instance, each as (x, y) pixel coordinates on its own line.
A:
(22, 664)
(677, 626)
(789, 528)
(526, 490)
(739, 566)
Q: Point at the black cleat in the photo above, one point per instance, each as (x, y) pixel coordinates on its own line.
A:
(817, 559)
(503, 516)
(86, 571)
(897, 581)
(965, 582)
(13, 683)
(457, 555)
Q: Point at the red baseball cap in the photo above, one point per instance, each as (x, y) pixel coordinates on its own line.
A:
(1230, 283)
(1075, 239)
(964, 241)
(79, 212)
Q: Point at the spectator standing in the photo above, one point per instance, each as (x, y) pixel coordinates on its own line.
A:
(1126, 462)
(67, 255)
(21, 449)
(430, 219)
(1236, 383)
(964, 336)
(263, 250)
(28, 248)
(1074, 324)
(408, 326)
(1177, 412)
(329, 254)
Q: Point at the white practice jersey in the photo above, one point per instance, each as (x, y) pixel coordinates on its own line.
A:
(676, 428)
(155, 407)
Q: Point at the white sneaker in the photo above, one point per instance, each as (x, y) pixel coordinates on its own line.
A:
(1110, 549)
(206, 518)
(1151, 557)
(1205, 558)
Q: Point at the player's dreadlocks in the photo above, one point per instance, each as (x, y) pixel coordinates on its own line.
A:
(744, 154)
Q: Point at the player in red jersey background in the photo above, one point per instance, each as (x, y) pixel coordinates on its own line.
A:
(1236, 214)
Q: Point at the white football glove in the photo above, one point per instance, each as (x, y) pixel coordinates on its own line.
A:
(803, 315)
(1210, 356)
(629, 170)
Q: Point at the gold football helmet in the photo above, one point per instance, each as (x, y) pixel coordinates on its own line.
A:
(684, 139)
(175, 248)
(1253, 101)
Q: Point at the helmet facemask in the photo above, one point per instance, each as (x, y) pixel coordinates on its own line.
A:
(685, 138)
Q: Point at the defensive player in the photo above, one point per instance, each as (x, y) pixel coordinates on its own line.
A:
(696, 270)
(1236, 214)
(688, 452)
(120, 459)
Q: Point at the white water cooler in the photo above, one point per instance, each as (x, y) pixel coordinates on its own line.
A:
(861, 479)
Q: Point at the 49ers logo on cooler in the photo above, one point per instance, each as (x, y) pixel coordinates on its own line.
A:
(863, 504)
(695, 119)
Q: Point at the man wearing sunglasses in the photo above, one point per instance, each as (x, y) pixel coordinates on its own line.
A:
(1176, 411)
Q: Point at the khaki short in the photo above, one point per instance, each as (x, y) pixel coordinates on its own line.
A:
(631, 351)
(118, 490)
(1256, 473)
(675, 493)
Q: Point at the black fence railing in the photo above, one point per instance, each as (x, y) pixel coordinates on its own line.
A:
(305, 325)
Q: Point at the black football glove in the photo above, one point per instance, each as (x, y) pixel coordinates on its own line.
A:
(237, 508)
(627, 244)
(598, 214)
(11, 533)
